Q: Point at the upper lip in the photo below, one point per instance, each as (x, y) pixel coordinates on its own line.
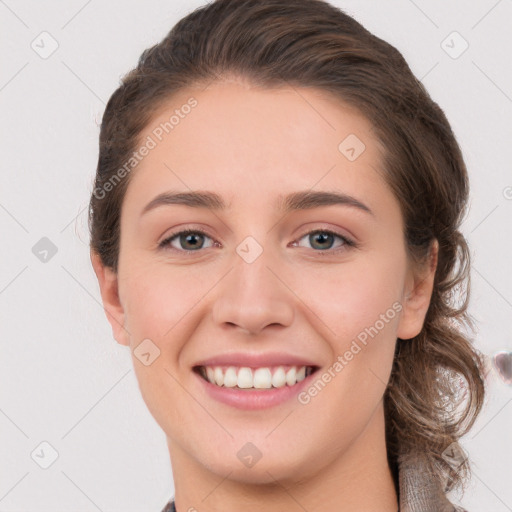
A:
(255, 360)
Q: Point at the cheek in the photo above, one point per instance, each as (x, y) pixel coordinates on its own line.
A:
(159, 306)
(361, 309)
(350, 299)
(163, 305)
(158, 298)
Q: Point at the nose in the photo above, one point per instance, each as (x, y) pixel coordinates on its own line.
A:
(254, 296)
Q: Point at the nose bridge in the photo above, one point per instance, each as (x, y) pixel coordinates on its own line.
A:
(252, 296)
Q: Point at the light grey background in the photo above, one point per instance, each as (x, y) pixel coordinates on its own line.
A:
(64, 379)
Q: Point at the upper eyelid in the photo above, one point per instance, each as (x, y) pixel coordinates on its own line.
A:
(348, 240)
(185, 230)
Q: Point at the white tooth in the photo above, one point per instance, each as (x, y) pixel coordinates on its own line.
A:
(262, 378)
(244, 378)
(230, 378)
(279, 378)
(219, 377)
(301, 374)
(291, 376)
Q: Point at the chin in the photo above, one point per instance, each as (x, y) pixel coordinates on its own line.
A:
(264, 471)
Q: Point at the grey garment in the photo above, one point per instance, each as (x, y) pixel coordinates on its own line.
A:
(169, 507)
(418, 490)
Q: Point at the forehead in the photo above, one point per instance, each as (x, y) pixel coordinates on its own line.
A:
(251, 143)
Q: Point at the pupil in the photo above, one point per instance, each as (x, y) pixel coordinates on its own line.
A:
(191, 236)
(322, 236)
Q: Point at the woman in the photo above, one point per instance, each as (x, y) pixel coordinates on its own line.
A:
(287, 375)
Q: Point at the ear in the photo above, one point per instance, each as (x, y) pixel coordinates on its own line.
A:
(417, 295)
(112, 306)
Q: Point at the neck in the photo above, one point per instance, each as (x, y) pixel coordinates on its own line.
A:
(359, 479)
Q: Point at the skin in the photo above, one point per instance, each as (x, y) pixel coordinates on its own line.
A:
(251, 145)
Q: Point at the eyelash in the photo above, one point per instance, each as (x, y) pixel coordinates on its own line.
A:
(347, 242)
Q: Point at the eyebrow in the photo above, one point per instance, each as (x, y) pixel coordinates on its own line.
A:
(302, 200)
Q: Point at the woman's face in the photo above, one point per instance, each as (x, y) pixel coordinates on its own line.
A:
(321, 282)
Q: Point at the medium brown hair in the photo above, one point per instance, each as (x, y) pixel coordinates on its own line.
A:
(310, 43)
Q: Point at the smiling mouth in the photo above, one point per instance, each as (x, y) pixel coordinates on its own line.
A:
(247, 378)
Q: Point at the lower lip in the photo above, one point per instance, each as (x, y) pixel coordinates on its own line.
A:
(253, 399)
